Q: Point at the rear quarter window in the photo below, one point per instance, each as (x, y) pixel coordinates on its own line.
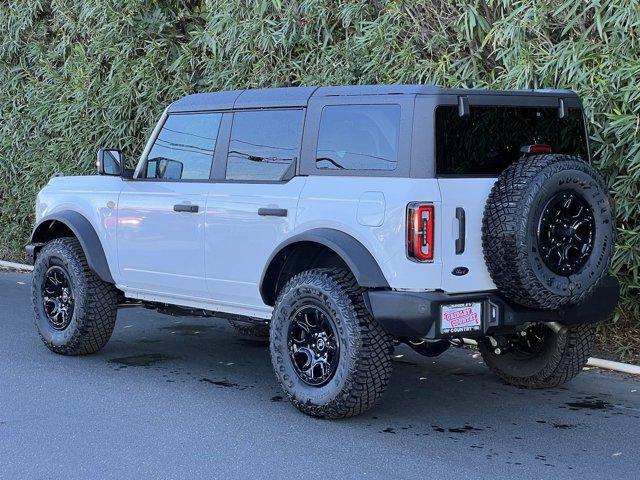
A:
(489, 139)
(358, 137)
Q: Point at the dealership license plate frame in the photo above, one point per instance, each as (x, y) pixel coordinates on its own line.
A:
(461, 318)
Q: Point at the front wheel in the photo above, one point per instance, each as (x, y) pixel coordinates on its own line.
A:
(541, 357)
(75, 311)
(332, 359)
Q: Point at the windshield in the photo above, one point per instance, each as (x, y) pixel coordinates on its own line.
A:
(489, 139)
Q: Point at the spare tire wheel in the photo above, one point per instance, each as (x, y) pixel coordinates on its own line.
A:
(548, 231)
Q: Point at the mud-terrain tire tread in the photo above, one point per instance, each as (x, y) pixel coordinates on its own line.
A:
(573, 346)
(504, 257)
(96, 315)
(372, 369)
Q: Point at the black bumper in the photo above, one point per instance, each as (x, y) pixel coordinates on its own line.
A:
(417, 314)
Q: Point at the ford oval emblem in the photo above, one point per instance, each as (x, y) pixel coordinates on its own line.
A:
(460, 271)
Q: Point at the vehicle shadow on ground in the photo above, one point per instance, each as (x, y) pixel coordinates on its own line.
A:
(454, 393)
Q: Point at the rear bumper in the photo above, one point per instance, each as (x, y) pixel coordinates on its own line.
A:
(417, 314)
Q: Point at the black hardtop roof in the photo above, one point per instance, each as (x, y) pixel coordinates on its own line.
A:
(300, 96)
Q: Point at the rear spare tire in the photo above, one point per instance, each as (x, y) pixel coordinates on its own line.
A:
(548, 231)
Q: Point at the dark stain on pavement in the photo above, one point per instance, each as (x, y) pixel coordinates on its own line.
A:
(188, 329)
(563, 426)
(464, 429)
(253, 342)
(589, 404)
(220, 383)
(144, 360)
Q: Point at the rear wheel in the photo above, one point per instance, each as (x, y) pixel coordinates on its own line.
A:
(332, 359)
(75, 311)
(541, 357)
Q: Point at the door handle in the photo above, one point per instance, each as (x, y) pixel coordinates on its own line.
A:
(272, 212)
(185, 207)
(460, 216)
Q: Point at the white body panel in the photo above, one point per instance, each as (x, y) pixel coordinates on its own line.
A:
(471, 195)
(161, 250)
(214, 259)
(239, 241)
(339, 202)
(94, 197)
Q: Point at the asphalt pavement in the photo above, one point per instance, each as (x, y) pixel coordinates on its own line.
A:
(182, 398)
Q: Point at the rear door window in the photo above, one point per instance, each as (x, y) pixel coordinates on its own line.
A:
(264, 145)
(358, 137)
(489, 139)
(184, 147)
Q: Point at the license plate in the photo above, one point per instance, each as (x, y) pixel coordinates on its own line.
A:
(461, 317)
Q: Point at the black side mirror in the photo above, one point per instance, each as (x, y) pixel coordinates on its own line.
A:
(110, 162)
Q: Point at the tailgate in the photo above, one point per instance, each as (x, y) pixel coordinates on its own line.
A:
(463, 265)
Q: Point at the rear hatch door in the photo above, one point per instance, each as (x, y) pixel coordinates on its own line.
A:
(463, 201)
(476, 140)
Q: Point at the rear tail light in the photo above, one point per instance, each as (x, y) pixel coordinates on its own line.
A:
(420, 226)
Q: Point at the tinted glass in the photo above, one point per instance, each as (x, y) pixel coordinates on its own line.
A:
(264, 144)
(489, 139)
(184, 148)
(358, 137)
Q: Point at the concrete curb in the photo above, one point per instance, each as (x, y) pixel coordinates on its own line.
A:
(16, 266)
(615, 366)
(594, 362)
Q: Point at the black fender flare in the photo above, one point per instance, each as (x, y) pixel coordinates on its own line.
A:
(362, 264)
(86, 235)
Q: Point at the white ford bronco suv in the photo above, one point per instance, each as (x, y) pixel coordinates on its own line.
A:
(341, 221)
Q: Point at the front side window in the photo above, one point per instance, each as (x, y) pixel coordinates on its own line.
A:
(358, 137)
(184, 148)
(264, 145)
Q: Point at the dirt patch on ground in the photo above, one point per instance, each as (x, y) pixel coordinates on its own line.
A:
(619, 341)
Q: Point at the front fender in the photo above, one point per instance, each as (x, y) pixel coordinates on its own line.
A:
(84, 232)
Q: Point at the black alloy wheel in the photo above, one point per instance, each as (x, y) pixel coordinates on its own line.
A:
(530, 342)
(57, 297)
(314, 347)
(330, 356)
(566, 233)
(75, 311)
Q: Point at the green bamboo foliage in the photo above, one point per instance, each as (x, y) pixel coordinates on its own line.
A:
(77, 75)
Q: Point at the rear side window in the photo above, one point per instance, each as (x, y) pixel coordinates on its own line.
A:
(264, 145)
(184, 148)
(489, 139)
(358, 137)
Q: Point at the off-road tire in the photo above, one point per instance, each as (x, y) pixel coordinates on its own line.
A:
(510, 231)
(364, 365)
(564, 355)
(250, 329)
(95, 301)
